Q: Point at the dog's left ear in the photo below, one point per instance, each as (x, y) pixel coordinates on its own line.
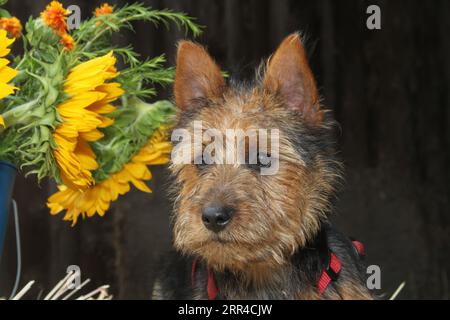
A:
(289, 75)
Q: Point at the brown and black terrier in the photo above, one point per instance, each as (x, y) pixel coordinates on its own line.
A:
(239, 234)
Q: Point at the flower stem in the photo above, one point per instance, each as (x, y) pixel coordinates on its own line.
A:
(20, 114)
(103, 31)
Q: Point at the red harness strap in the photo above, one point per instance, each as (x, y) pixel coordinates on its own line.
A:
(331, 271)
(211, 287)
(193, 270)
(359, 248)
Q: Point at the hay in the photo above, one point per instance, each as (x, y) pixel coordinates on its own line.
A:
(399, 289)
(64, 290)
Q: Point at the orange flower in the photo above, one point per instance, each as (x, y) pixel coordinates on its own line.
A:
(55, 16)
(103, 9)
(12, 26)
(67, 41)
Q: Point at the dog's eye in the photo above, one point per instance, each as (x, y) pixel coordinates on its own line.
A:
(262, 161)
(199, 162)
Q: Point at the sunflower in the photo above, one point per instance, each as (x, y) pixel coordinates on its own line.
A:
(55, 16)
(98, 198)
(6, 73)
(90, 98)
(12, 26)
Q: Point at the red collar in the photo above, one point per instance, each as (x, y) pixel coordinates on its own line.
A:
(330, 272)
(211, 287)
(332, 267)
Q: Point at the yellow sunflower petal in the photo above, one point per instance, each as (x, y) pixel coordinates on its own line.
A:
(86, 155)
(92, 135)
(5, 42)
(106, 122)
(7, 73)
(6, 90)
(89, 97)
(102, 108)
(103, 62)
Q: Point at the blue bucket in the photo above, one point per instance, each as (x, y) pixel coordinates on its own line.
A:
(7, 177)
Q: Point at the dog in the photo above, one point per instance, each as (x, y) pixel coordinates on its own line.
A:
(239, 234)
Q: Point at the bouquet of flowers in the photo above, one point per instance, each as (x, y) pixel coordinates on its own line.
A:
(68, 112)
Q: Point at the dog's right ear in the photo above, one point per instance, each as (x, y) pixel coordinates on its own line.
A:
(289, 75)
(197, 76)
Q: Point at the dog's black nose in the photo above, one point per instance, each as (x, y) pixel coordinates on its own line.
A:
(216, 217)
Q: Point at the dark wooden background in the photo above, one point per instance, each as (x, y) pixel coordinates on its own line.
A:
(389, 90)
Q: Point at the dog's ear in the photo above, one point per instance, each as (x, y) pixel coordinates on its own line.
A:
(289, 75)
(197, 76)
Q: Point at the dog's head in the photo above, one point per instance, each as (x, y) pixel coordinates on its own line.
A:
(253, 166)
